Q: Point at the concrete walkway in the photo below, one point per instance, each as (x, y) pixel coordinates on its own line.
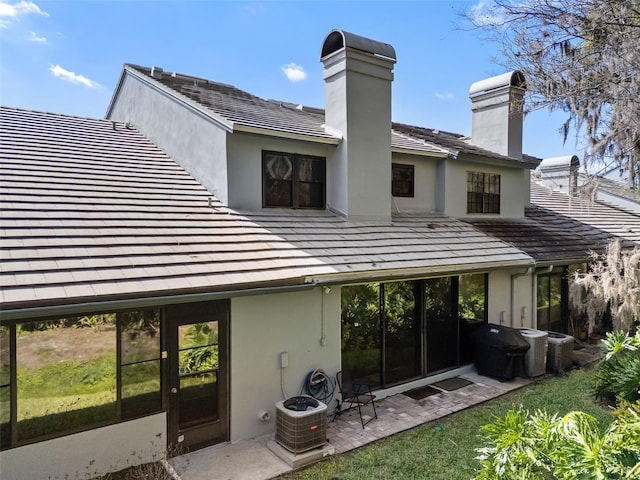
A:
(252, 460)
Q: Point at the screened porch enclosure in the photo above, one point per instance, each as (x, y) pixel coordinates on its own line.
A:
(395, 332)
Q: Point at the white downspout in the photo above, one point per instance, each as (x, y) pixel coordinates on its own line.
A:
(513, 291)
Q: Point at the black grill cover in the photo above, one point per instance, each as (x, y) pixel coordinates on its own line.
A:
(499, 352)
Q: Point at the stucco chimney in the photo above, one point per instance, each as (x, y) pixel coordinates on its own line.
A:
(496, 113)
(560, 173)
(358, 73)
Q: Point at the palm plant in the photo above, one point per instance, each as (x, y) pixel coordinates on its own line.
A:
(618, 374)
(542, 446)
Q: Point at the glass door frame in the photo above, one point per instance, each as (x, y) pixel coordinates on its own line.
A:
(208, 432)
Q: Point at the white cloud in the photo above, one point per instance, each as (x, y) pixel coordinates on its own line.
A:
(294, 72)
(11, 11)
(254, 10)
(72, 77)
(445, 96)
(33, 37)
(486, 12)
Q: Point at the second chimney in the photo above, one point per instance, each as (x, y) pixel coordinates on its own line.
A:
(496, 119)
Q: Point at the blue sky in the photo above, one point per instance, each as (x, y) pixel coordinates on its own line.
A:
(66, 56)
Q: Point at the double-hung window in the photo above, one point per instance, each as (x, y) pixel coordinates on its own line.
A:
(292, 180)
(402, 180)
(483, 192)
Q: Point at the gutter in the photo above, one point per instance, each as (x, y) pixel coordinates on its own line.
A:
(238, 127)
(411, 273)
(421, 153)
(142, 302)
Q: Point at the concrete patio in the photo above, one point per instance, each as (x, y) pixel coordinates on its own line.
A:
(255, 460)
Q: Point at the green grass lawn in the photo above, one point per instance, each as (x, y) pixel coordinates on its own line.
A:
(445, 449)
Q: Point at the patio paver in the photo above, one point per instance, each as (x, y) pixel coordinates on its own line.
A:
(252, 460)
(399, 412)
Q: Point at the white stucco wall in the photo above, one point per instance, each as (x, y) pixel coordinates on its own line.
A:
(523, 299)
(500, 291)
(499, 286)
(424, 199)
(513, 196)
(88, 454)
(192, 141)
(245, 165)
(261, 328)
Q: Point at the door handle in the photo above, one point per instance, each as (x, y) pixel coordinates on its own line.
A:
(174, 390)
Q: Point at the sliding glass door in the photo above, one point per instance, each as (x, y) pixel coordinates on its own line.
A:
(442, 325)
(394, 332)
(401, 352)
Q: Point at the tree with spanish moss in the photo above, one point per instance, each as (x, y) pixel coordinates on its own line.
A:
(612, 283)
(581, 57)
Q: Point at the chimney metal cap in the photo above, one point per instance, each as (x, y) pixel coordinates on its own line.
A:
(509, 79)
(338, 39)
(566, 161)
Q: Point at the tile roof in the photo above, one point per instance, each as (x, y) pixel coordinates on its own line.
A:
(557, 227)
(600, 215)
(545, 235)
(90, 210)
(613, 187)
(418, 243)
(230, 104)
(457, 144)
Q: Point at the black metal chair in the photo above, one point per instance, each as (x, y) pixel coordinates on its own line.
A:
(354, 393)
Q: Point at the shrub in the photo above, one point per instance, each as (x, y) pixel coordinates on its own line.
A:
(542, 446)
(618, 373)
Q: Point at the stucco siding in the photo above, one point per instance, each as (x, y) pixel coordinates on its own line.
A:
(502, 285)
(424, 198)
(261, 328)
(191, 140)
(245, 165)
(88, 454)
(513, 196)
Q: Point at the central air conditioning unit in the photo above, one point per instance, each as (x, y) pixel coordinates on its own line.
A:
(301, 424)
(560, 353)
(535, 360)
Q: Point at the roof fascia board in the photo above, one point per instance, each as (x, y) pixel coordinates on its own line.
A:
(116, 93)
(498, 162)
(8, 315)
(421, 153)
(414, 273)
(238, 127)
(171, 94)
(559, 262)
